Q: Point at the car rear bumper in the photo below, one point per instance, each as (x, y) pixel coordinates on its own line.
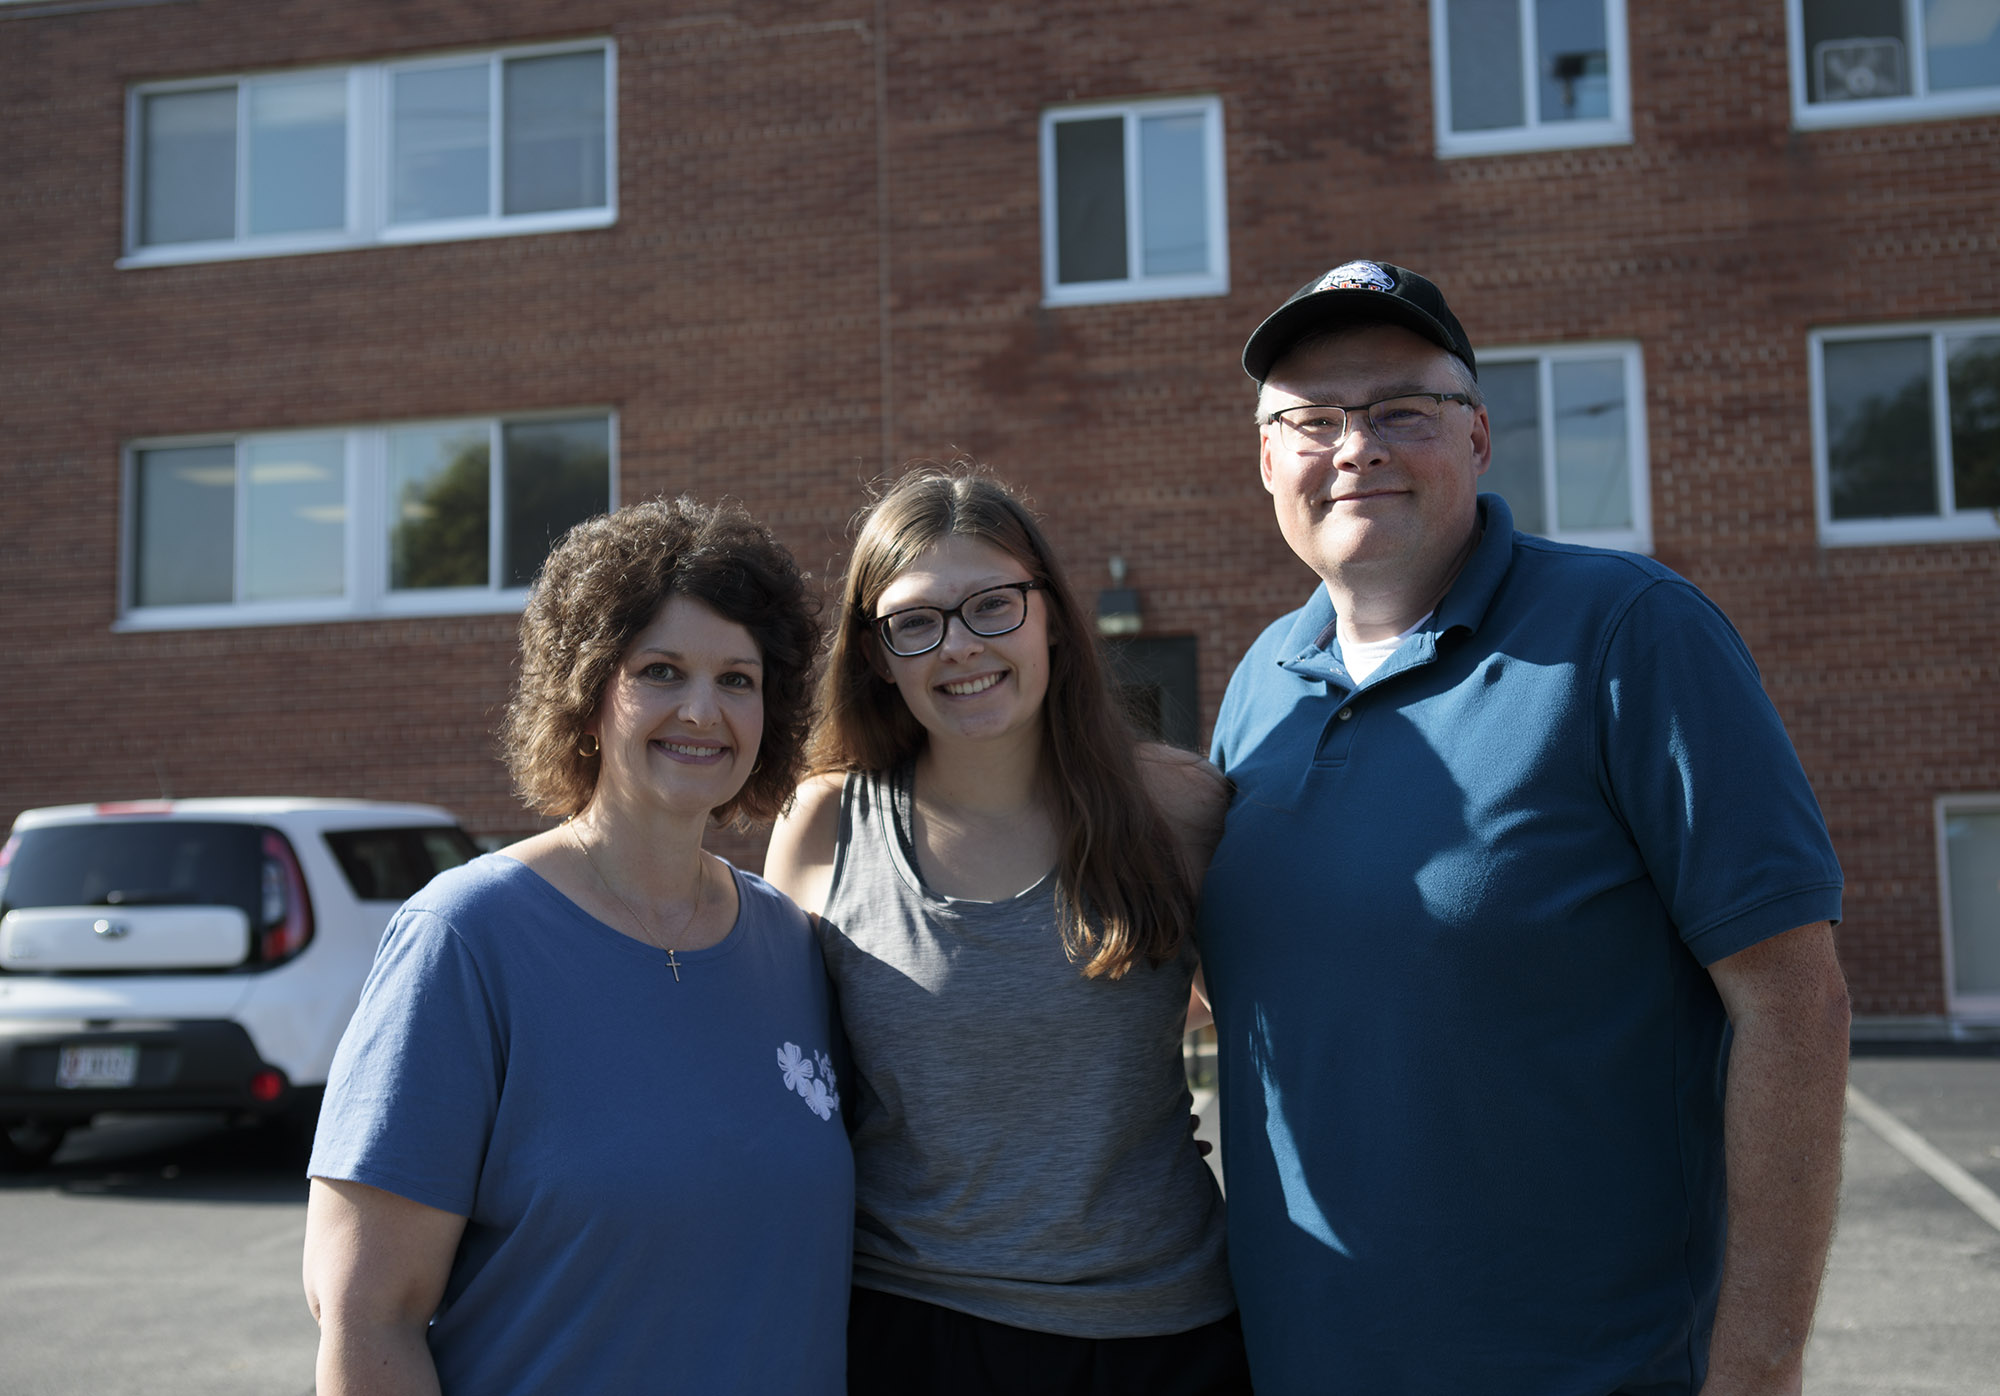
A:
(194, 1064)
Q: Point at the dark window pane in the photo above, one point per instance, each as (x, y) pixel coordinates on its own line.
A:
(140, 863)
(1880, 456)
(440, 495)
(554, 153)
(188, 159)
(1975, 422)
(184, 536)
(1855, 50)
(1513, 406)
(390, 865)
(557, 475)
(1483, 44)
(1575, 66)
(1090, 200)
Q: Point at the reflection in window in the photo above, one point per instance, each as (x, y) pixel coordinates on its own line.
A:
(439, 499)
(295, 517)
(1132, 202)
(1879, 449)
(557, 475)
(1566, 443)
(555, 149)
(1907, 434)
(1526, 65)
(262, 528)
(188, 166)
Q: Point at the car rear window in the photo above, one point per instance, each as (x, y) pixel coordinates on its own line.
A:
(140, 863)
(391, 865)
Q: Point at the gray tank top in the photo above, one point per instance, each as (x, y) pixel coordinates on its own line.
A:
(1021, 1147)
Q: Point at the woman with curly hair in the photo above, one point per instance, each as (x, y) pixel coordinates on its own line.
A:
(1007, 880)
(584, 1132)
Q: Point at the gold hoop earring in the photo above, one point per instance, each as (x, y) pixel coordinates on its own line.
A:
(595, 746)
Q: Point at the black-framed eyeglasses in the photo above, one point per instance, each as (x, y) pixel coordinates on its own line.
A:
(1406, 417)
(916, 630)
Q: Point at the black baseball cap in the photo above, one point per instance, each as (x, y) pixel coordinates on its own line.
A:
(1356, 293)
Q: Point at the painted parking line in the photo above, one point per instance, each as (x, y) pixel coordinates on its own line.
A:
(1920, 1151)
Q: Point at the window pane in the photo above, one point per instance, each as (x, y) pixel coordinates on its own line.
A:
(296, 516)
(557, 475)
(440, 143)
(1962, 43)
(1972, 859)
(1514, 409)
(1483, 44)
(1593, 464)
(1880, 457)
(1855, 50)
(555, 137)
(298, 154)
(1573, 59)
(188, 159)
(439, 501)
(1090, 200)
(185, 536)
(1173, 195)
(1974, 369)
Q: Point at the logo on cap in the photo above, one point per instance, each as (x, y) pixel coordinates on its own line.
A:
(1357, 276)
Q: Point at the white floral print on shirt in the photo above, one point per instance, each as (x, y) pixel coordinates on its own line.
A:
(811, 1077)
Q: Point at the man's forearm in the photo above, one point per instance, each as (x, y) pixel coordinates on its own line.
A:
(1782, 1127)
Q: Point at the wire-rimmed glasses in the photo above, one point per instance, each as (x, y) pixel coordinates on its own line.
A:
(1312, 426)
(916, 630)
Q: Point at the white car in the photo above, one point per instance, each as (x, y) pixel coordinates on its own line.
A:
(192, 954)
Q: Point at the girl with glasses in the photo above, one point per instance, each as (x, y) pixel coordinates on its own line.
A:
(1006, 882)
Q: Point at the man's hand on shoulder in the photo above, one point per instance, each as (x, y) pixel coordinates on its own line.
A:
(1192, 796)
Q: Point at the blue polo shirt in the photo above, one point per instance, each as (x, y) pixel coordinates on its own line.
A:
(1472, 1063)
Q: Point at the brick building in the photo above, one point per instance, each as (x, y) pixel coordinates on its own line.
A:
(318, 318)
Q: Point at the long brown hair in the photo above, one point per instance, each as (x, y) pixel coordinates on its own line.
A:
(1120, 891)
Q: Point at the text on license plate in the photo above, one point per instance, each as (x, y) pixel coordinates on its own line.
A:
(84, 1067)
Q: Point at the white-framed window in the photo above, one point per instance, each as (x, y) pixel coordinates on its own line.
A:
(1132, 202)
(1968, 834)
(410, 518)
(460, 145)
(1856, 62)
(1569, 442)
(1906, 432)
(1510, 75)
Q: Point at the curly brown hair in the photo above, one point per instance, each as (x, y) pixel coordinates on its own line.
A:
(602, 584)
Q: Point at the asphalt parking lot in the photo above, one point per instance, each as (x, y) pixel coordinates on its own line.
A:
(161, 1257)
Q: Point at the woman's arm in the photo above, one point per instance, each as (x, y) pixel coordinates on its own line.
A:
(804, 841)
(375, 1269)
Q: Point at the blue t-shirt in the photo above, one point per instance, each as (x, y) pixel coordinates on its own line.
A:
(1455, 934)
(657, 1184)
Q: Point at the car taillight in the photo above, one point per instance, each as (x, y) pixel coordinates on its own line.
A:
(287, 914)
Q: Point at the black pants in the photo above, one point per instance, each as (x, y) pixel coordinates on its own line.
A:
(904, 1347)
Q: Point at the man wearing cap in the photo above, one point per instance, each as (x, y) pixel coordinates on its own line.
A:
(1519, 939)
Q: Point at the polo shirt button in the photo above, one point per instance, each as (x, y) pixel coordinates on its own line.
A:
(1345, 713)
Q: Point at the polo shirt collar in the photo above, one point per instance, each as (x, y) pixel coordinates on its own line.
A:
(1306, 651)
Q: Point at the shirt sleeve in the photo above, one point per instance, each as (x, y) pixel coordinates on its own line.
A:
(415, 1083)
(1699, 766)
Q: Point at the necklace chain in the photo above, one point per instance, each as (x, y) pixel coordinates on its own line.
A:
(700, 890)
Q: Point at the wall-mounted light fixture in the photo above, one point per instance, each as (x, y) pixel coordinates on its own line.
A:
(1118, 604)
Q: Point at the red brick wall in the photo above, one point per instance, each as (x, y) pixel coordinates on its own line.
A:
(735, 318)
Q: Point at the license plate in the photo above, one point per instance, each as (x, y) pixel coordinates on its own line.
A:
(84, 1068)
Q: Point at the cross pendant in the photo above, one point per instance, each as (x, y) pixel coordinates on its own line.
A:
(674, 965)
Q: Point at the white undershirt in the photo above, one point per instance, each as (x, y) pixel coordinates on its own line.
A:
(1363, 657)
